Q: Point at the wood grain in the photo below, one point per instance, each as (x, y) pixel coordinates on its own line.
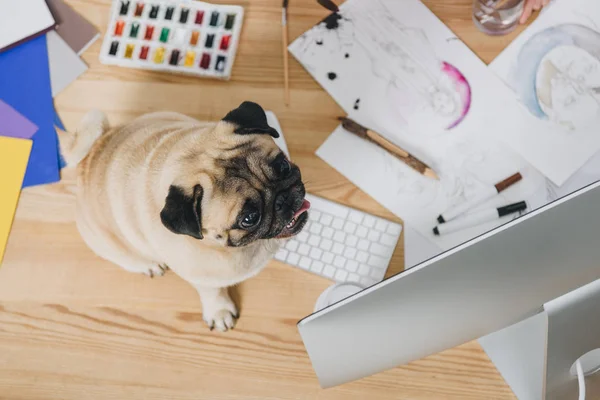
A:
(73, 326)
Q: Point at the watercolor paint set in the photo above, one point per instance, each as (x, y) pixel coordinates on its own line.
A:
(187, 37)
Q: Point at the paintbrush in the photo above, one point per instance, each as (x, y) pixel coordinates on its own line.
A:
(284, 33)
(403, 155)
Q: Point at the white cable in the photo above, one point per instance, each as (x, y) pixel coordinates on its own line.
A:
(580, 379)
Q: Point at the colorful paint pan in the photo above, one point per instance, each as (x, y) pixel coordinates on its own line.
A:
(190, 37)
(190, 56)
(194, 38)
(119, 26)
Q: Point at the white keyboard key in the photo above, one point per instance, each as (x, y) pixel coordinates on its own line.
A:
(326, 244)
(293, 259)
(381, 225)
(363, 244)
(352, 241)
(362, 232)
(363, 269)
(328, 271)
(377, 262)
(314, 215)
(327, 233)
(377, 274)
(339, 236)
(292, 245)
(326, 219)
(338, 223)
(338, 248)
(331, 207)
(373, 236)
(349, 227)
(314, 241)
(303, 236)
(369, 221)
(327, 257)
(317, 267)
(316, 253)
(367, 281)
(362, 256)
(341, 275)
(355, 217)
(350, 253)
(305, 262)
(394, 229)
(352, 265)
(281, 254)
(352, 277)
(304, 249)
(378, 249)
(339, 261)
(316, 228)
(388, 240)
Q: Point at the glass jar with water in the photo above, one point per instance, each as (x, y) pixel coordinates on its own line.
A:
(497, 17)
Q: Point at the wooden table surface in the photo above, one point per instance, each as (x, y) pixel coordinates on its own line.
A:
(73, 326)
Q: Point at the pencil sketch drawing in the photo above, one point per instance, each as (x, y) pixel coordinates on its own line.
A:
(401, 76)
(557, 76)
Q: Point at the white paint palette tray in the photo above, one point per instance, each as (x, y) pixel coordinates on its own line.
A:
(186, 37)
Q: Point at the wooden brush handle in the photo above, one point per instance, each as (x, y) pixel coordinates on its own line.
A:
(285, 65)
(396, 151)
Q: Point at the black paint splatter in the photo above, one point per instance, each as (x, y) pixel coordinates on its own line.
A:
(347, 55)
(356, 104)
(331, 22)
(332, 75)
(319, 42)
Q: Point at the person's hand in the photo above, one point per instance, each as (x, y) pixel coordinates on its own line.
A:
(530, 7)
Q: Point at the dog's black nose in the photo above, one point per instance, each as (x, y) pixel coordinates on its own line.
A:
(283, 199)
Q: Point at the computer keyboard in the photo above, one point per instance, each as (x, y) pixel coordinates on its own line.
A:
(342, 243)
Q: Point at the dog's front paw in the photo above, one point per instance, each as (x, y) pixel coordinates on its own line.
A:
(156, 270)
(222, 317)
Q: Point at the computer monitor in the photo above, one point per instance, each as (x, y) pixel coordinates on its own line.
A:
(477, 288)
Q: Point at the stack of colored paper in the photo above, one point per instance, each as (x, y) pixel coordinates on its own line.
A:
(40, 44)
(15, 146)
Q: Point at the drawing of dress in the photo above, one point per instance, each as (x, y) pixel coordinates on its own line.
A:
(380, 68)
(557, 76)
(424, 92)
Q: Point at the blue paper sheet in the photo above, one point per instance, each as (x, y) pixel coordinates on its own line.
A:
(58, 123)
(25, 85)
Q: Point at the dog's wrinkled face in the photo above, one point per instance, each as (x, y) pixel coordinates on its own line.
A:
(251, 191)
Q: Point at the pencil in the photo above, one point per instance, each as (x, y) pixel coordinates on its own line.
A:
(284, 34)
(403, 155)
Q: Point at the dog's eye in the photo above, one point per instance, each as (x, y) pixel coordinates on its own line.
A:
(250, 219)
(283, 167)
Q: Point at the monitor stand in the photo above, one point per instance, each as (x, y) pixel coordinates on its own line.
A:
(536, 356)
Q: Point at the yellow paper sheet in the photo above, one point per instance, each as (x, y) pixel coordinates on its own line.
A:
(14, 155)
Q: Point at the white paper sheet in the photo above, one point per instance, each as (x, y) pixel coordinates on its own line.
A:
(421, 87)
(419, 200)
(417, 248)
(22, 19)
(554, 68)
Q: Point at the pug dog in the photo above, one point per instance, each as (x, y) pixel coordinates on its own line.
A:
(212, 202)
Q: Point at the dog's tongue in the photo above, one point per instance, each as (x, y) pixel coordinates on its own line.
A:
(305, 206)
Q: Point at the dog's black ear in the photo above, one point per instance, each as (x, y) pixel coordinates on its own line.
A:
(250, 118)
(182, 213)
